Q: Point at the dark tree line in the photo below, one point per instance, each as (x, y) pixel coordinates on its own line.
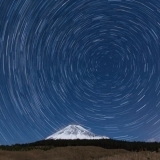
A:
(104, 143)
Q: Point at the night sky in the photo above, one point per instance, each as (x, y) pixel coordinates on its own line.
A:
(95, 63)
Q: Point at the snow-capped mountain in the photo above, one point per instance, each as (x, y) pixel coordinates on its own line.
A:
(75, 132)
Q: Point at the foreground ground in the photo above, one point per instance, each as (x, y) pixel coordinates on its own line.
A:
(78, 153)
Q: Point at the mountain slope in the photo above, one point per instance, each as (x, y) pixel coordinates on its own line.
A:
(75, 132)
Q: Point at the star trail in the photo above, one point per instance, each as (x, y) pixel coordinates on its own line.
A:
(88, 62)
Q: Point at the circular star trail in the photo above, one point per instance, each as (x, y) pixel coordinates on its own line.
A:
(89, 62)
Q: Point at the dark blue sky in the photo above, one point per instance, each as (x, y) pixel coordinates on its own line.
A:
(88, 62)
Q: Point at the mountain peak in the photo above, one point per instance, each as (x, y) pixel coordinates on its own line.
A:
(75, 132)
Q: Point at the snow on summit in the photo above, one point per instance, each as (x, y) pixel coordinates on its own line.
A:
(75, 132)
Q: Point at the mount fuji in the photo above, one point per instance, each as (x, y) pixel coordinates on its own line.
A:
(75, 132)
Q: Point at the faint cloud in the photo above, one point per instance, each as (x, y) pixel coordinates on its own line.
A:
(153, 140)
